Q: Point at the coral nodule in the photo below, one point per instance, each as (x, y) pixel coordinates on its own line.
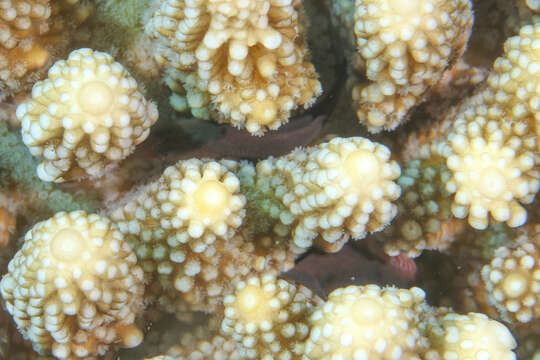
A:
(74, 288)
(85, 117)
(243, 62)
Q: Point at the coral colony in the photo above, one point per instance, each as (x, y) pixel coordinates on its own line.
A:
(131, 228)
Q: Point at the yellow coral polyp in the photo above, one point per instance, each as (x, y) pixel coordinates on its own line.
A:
(74, 288)
(68, 245)
(86, 116)
(337, 189)
(211, 199)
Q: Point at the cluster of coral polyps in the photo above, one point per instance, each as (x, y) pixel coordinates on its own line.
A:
(85, 117)
(241, 62)
(512, 280)
(494, 139)
(187, 226)
(480, 161)
(74, 287)
(31, 33)
(404, 48)
(268, 318)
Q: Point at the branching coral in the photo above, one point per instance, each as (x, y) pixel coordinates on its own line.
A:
(268, 318)
(186, 227)
(213, 235)
(405, 47)
(41, 199)
(365, 322)
(471, 336)
(512, 281)
(86, 116)
(325, 193)
(493, 141)
(489, 140)
(246, 58)
(356, 322)
(74, 287)
(32, 32)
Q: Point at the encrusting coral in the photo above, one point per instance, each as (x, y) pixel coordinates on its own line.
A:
(405, 47)
(85, 117)
(242, 62)
(74, 288)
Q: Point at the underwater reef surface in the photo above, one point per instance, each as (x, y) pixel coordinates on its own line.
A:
(269, 179)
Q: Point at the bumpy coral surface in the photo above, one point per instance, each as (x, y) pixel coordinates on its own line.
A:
(268, 317)
(494, 139)
(28, 18)
(74, 288)
(512, 281)
(181, 226)
(516, 94)
(31, 33)
(334, 190)
(490, 175)
(247, 58)
(425, 219)
(85, 117)
(405, 47)
(471, 336)
(364, 322)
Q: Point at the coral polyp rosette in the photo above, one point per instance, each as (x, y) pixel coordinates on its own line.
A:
(364, 322)
(85, 117)
(334, 190)
(74, 287)
(490, 176)
(268, 318)
(247, 58)
(512, 281)
(32, 34)
(405, 48)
